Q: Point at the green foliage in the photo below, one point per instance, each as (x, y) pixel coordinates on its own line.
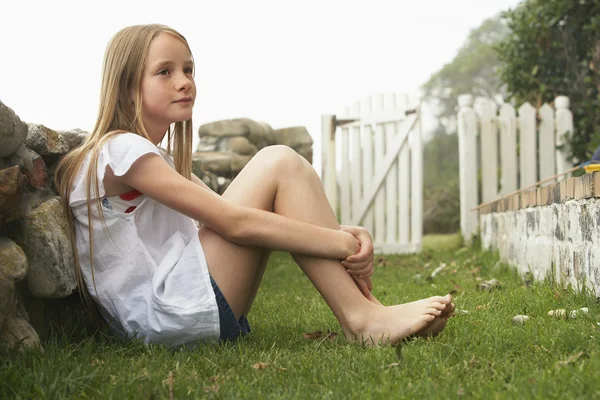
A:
(473, 70)
(554, 49)
(441, 204)
(480, 355)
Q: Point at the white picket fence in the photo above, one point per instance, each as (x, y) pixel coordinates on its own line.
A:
(380, 183)
(539, 135)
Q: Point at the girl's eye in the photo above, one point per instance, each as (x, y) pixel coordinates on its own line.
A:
(163, 72)
(189, 70)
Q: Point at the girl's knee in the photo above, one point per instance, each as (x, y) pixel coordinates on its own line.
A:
(282, 159)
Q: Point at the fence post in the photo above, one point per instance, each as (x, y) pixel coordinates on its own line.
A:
(489, 151)
(328, 172)
(467, 150)
(416, 152)
(564, 126)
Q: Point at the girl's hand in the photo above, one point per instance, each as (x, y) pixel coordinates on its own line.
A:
(365, 286)
(360, 264)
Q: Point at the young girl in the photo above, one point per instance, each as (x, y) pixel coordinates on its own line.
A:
(132, 208)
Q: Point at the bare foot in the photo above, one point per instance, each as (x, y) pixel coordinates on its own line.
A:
(395, 323)
(438, 324)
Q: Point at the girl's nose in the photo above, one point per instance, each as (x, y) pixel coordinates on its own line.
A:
(184, 82)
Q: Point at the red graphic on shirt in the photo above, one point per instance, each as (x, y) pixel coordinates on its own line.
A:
(132, 195)
(130, 209)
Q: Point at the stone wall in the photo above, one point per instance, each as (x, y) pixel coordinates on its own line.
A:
(37, 280)
(552, 231)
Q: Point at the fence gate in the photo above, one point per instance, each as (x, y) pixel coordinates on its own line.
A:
(373, 162)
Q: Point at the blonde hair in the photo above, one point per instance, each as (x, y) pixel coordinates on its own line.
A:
(124, 63)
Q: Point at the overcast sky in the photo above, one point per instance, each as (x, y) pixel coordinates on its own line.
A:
(282, 62)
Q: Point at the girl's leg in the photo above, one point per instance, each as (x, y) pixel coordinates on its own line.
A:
(279, 180)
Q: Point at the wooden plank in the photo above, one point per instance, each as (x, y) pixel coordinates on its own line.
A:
(344, 177)
(356, 162)
(328, 167)
(379, 233)
(405, 129)
(583, 187)
(389, 248)
(416, 183)
(564, 126)
(547, 142)
(527, 157)
(508, 146)
(467, 149)
(596, 176)
(368, 136)
(391, 180)
(403, 182)
(489, 152)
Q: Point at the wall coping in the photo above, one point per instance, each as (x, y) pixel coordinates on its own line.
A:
(576, 188)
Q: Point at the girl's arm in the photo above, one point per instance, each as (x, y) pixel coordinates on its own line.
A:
(151, 175)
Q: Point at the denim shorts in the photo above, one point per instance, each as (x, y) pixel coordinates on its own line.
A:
(231, 328)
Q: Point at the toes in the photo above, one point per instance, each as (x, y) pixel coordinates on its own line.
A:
(434, 311)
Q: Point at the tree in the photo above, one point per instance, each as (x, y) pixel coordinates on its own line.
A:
(554, 49)
(473, 70)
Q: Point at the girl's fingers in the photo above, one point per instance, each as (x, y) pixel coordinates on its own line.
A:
(366, 272)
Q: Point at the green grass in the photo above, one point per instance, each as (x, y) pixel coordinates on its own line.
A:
(480, 354)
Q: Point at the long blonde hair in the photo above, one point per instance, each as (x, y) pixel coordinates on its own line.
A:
(124, 63)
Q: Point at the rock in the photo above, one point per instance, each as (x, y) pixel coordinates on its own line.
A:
(13, 131)
(220, 163)
(489, 285)
(33, 167)
(13, 268)
(297, 138)
(561, 313)
(224, 128)
(7, 289)
(17, 333)
(261, 133)
(12, 184)
(207, 143)
(519, 319)
(48, 142)
(13, 263)
(576, 313)
(237, 144)
(292, 136)
(43, 236)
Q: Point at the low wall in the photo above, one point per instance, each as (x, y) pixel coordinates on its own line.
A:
(553, 230)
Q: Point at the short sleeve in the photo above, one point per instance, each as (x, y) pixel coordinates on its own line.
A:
(119, 153)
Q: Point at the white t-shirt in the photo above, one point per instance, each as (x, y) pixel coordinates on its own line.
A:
(151, 274)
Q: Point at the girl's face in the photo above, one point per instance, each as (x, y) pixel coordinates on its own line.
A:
(168, 88)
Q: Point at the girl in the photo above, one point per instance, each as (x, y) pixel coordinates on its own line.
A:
(132, 208)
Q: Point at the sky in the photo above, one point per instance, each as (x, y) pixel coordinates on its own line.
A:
(286, 63)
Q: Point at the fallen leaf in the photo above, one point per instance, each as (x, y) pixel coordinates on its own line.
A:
(312, 335)
(460, 392)
(557, 294)
(571, 359)
(317, 334)
(213, 379)
(483, 307)
(392, 365)
(456, 285)
(475, 271)
(97, 362)
(281, 369)
(260, 365)
(212, 388)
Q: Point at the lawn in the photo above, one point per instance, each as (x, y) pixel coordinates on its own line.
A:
(481, 354)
